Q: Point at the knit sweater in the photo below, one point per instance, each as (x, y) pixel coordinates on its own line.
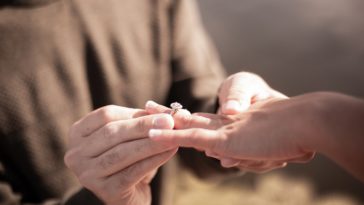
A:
(60, 59)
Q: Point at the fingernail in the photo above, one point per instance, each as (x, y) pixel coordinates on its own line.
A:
(161, 121)
(228, 163)
(150, 104)
(154, 133)
(232, 105)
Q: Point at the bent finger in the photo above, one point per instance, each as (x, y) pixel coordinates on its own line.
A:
(134, 174)
(126, 154)
(153, 108)
(123, 131)
(98, 118)
(229, 162)
(236, 94)
(181, 117)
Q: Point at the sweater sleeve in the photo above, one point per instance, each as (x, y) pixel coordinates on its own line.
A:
(9, 196)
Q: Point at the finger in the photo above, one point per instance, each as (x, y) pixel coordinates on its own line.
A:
(125, 155)
(235, 94)
(261, 96)
(277, 94)
(131, 176)
(98, 118)
(153, 108)
(229, 162)
(302, 159)
(195, 121)
(234, 106)
(261, 166)
(181, 117)
(123, 131)
(198, 138)
(202, 120)
(149, 177)
(210, 153)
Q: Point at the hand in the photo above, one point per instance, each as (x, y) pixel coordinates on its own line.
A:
(236, 94)
(267, 135)
(111, 154)
(239, 91)
(184, 120)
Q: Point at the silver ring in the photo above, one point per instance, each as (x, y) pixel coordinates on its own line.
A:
(175, 107)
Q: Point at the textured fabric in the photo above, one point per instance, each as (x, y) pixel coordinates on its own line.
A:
(60, 59)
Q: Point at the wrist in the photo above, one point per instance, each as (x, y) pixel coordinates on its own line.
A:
(316, 126)
(336, 121)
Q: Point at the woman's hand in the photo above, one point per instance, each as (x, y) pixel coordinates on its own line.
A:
(240, 90)
(265, 137)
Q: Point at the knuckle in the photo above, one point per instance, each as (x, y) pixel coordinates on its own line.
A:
(221, 144)
(141, 125)
(70, 158)
(106, 113)
(195, 133)
(247, 76)
(109, 130)
(237, 91)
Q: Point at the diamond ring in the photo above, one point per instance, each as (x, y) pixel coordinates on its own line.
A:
(175, 107)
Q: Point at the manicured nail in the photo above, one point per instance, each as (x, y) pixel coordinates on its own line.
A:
(161, 121)
(151, 104)
(154, 133)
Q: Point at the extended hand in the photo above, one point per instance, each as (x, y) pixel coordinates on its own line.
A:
(264, 137)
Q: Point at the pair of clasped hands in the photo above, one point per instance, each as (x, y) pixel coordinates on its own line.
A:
(115, 151)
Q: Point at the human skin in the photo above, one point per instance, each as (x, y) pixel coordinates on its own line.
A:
(102, 145)
(281, 130)
(240, 90)
(111, 155)
(236, 94)
(184, 120)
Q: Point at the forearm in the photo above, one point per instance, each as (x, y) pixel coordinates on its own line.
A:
(342, 125)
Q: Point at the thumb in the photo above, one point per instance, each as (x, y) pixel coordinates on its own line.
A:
(234, 97)
(235, 106)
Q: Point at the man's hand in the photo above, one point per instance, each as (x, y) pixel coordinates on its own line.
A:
(265, 137)
(111, 154)
(239, 91)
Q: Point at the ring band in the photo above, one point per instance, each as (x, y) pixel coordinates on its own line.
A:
(175, 107)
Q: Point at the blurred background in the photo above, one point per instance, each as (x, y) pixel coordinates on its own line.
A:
(297, 46)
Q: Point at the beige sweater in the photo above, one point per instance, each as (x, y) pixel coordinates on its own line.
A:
(60, 59)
